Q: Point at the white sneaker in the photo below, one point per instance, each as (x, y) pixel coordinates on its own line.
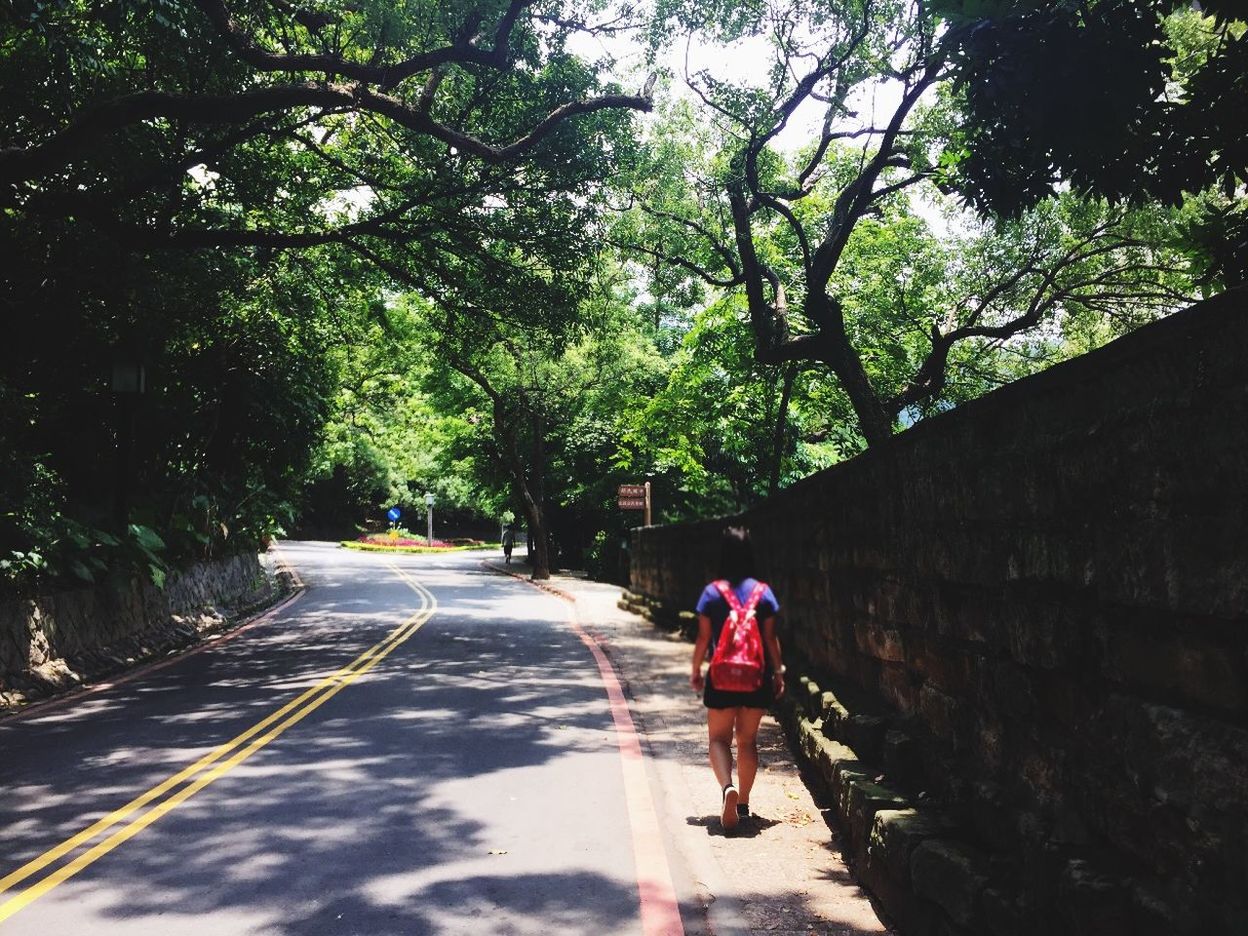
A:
(728, 814)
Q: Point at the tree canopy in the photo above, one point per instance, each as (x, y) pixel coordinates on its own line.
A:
(739, 212)
(370, 250)
(224, 192)
(1128, 100)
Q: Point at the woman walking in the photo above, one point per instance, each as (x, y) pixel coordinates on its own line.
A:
(735, 708)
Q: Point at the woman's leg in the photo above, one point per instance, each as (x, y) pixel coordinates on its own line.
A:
(747, 721)
(719, 723)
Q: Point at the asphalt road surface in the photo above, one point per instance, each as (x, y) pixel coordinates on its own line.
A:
(413, 745)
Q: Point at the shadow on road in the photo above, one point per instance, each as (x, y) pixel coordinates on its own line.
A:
(381, 813)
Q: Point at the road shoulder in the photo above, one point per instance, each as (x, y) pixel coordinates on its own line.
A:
(785, 874)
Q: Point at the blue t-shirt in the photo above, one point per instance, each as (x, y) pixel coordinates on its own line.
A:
(713, 605)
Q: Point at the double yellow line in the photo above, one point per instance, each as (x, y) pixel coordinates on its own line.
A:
(204, 771)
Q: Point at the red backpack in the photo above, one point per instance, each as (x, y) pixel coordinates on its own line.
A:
(737, 665)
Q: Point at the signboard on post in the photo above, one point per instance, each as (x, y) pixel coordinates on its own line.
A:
(635, 497)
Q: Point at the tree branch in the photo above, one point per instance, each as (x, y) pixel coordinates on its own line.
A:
(681, 262)
(856, 196)
(801, 348)
(104, 117)
(463, 52)
(729, 258)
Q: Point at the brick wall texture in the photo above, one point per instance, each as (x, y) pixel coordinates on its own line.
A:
(1039, 605)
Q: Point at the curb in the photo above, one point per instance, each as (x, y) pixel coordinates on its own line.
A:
(722, 910)
(542, 584)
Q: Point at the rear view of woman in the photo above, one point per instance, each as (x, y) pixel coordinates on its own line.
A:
(736, 707)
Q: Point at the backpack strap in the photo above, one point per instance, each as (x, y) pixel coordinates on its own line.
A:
(734, 603)
(756, 596)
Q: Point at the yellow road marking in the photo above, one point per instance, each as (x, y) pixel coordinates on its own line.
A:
(165, 786)
(297, 709)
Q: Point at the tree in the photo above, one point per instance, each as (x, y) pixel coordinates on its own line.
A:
(724, 430)
(777, 227)
(221, 188)
(378, 446)
(236, 361)
(262, 125)
(429, 72)
(1120, 98)
(551, 402)
(1129, 101)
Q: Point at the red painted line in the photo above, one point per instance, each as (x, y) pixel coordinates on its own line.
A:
(145, 669)
(660, 911)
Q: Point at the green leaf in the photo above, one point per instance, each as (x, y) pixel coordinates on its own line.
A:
(146, 537)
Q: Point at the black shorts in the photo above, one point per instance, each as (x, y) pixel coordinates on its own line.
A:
(722, 698)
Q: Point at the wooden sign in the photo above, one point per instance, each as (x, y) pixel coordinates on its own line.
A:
(635, 497)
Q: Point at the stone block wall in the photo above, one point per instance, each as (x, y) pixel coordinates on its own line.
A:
(56, 641)
(1028, 620)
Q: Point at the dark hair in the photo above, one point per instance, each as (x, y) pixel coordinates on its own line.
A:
(736, 555)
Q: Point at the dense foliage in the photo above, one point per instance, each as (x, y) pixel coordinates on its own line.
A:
(367, 252)
(222, 193)
(901, 123)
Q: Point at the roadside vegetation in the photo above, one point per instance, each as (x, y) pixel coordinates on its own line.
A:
(516, 253)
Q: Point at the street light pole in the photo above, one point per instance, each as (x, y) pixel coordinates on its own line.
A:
(429, 518)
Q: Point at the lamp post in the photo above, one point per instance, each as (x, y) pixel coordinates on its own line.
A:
(429, 518)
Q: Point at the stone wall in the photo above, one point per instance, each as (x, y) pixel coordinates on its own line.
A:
(1021, 630)
(56, 641)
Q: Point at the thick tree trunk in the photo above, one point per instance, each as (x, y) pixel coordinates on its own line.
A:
(874, 422)
(830, 345)
(538, 536)
(530, 498)
(782, 424)
(825, 347)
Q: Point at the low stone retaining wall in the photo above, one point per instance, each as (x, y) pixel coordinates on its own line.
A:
(1019, 633)
(53, 642)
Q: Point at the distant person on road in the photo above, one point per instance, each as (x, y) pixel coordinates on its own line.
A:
(509, 542)
(737, 617)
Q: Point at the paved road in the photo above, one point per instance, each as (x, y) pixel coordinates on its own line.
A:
(412, 746)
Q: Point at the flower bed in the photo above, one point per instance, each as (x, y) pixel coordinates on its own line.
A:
(385, 539)
(405, 542)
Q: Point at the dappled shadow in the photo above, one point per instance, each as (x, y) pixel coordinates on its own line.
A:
(417, 800)
(413, 801)
(791, 849)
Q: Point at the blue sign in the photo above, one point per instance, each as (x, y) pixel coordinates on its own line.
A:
(394, 514)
